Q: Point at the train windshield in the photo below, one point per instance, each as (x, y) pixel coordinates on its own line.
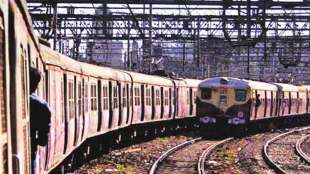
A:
(206, 93)
(240, 95)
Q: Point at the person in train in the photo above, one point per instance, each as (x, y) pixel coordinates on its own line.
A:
(40, 117)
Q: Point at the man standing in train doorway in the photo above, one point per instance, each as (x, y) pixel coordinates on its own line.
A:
(40, 118)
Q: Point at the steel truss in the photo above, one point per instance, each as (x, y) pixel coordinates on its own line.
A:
(262, 24)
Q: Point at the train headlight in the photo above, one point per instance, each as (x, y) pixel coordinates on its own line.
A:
(204, 119)
(207, 119)
(236, 121)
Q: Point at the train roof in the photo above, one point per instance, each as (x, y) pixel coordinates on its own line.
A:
(192, 82)
(307, 87)
(287, 87)
(54, 58)
(149, 79)
(236, 83)
(261, 85)
(218, 81)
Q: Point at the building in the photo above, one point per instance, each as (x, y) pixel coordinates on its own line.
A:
(104, 52)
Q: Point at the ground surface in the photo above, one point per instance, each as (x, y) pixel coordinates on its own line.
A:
(240, 156)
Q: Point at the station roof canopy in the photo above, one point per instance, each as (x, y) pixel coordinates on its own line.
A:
(176, 2)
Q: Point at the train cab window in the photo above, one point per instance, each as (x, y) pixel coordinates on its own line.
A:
(166, 98)
(157, 94)
(105, 98)
(71, 98)
(240, 95)
(137, 96)
(93, 97)
(124, 93)
(115, 97)
(148, 97)
(206, 93)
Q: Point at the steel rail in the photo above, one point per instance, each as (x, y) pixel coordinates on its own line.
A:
(205, 153)
(299, 150)
(268, 159)
(169, 152)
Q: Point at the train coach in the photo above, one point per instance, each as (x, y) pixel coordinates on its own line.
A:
(232, 102)
(88, 101)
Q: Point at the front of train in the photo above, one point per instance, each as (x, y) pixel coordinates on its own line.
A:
(224, 102)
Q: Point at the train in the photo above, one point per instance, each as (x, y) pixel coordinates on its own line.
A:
(86, 101)
(89, 101)
(237, 103)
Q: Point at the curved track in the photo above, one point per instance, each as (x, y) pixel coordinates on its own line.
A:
(299, 149)
(280, 154)
(202, 158)
(182, 158)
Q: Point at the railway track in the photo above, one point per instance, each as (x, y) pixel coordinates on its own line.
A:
(300, 150)
(205, 153)
(188, 157)
(281, 154)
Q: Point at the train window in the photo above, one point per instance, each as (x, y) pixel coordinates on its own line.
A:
(62, 100)
(223, 99)
(86, 98)
(93, 97)
(23, 80)
(124, 92)
(5, 158)
(105, 98)
(137, 96)
(166, 98)
(148, 97)
(187, 97)
(2, 77)
(71, 98)
(115, 94)
(80, 98)
(240, 94)
(130, 94)
(206, 93)
(157, 94)
(194, 96)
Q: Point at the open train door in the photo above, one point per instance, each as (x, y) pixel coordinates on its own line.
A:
(19, 51)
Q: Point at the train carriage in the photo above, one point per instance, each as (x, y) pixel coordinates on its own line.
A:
(180, 98)
(262, 99)
(89, 101)
(230, 101)
(4, 88)
(233, 101)
(192, 87)
(150, 98)
(289, 99)
(23, 51)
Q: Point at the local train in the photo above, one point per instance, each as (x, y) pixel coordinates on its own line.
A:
(233, 102)
(86, 101)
